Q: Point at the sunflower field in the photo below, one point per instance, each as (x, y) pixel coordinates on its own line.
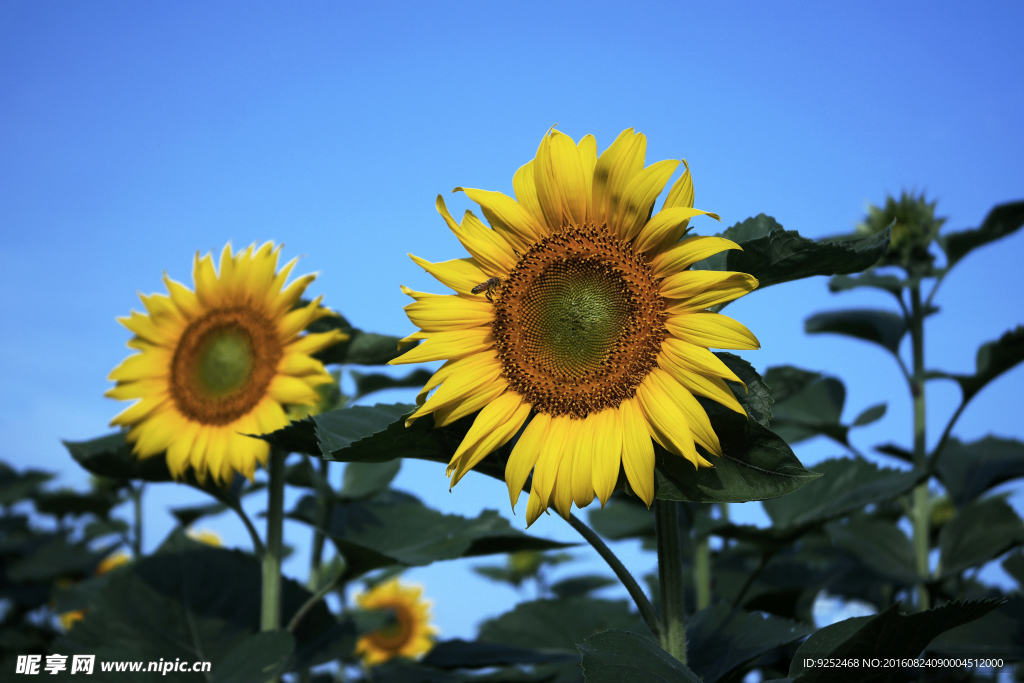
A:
(580, 333)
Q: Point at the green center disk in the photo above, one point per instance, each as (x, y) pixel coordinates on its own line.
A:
(225, 361)
(572, 315)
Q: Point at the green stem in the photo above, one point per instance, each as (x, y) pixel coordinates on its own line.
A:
(670, 578)
(137, 532)
(270, 613)
(644, 606)
(702, 573)
(917, 386)
(257, 544)
(316, 559)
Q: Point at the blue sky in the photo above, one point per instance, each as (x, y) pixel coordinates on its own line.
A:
(132, 135)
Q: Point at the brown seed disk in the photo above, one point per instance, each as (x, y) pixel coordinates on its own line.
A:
(579, 322)
(250, 329)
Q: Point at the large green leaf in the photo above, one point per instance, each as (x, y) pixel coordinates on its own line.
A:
(968, 470)
(721, 638)
(1014, 566)
(363, 480)
(880, 545)
(1002, 220)
(993, 359)
(981, 531)
(622, 518)
(257, 659)
(70, 503)
(756, 465)
(756, 399)
(774, 255)
(111, 456)
(884, 328)
(869, 278)
(887, 634)
(557, 624)
(195, 602)
(476, 654)
(361, 348)
(397, 529)
(56, 558)
(616, 656)
(999, 633)
(15, 486)
(847, 485)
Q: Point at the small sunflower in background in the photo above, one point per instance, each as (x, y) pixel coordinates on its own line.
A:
(206, 537)
(220, 362)
(578, 307)
(109, 563)
(411, 634)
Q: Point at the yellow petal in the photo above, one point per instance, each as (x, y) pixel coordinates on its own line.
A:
(546, 470)
(681, 193)
(179, 452)
(299, 365)
(183, 297)
(205, 277)
(524, 455)
(666, 421)
(490, 249)
(450, 312)
(456, 411)
(526, 195)
(533, 507)
(639, 196)
(475, 374)
(144, 327)
(637, 450)
(712, 330)
(126, 391)
(137, 412)
(688, 252)
(506, 216)
(447, 345)
(607, 453)
(699, 289)
(583, 462)
(561, 495)
(462, 274)
(615, 168)
(587, 148)
(492, 428)
(151, 364)
(315, 341)
(291, 294)
(665, 223)
(563, 161)
(292, 390)
(697, 420)
(695, 359)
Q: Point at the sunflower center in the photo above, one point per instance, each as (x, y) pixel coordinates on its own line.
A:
(397, 634)
(223, 364)
(578, 322)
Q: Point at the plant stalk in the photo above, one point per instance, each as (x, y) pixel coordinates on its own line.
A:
(270, 612)
(670, 578)
(920, 504)
(316, 558)
(137, 532)
(644, 606)
(702, 572)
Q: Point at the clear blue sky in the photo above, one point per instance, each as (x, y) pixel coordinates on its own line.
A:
(132, 135)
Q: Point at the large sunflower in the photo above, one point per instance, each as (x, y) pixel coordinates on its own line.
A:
(578, 307)
(218, 363)
(411, 634)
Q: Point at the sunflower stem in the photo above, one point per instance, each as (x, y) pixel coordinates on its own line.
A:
(702, 572)
(270, 613)
(670, 578)
(920, 507)
(137, 531)
(646, 609)
(316, 559)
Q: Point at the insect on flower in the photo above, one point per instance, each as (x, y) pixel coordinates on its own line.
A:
(490, 286)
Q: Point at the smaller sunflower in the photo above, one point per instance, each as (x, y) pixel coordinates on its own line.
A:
(410, 636)
(220, 362)
(109, 563)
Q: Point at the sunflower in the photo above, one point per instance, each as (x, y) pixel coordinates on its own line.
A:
(218, 363)
(578, 316)
(109, 563)
(409, 636)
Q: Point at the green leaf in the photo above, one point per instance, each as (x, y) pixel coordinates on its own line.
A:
(756, 465)
(322, 434)
(67, 502)
(980, 531)
(56, 558)
(756, 398)
(888, 283)
(622, 518)
(870, 415)
(195, 602)
(884, 328)
(968, 470)
(721, 638)
(257, 659)
(398, 529)
(581, 585)
(847, 485)
(1002, 220)
(15, 486)
(616, 656)
(993, 359)
(888, 634)
(475, 654)
(557, 624)
(361, 348)
(372, 382)
(111, 456)
(774, 255)
(806, 404)
(367, 479)
(999, 633)
(880, 545)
